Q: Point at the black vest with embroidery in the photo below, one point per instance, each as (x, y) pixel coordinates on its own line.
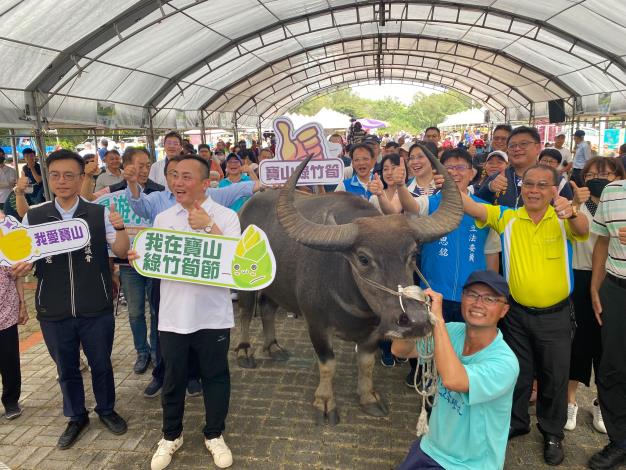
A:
(76, 284)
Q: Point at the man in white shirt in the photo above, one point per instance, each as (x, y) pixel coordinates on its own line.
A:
(173, 146)
(195, 319)
(581, 156)
(8, 177)
(566, 162)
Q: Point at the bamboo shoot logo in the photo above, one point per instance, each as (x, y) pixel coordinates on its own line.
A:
(253, 263)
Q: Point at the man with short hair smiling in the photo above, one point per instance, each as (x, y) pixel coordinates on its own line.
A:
(195, 319)
(477, 373)
(173, 146)
(523, 147)
(432, 134)
(363, 161)
(537, 250)
(74, 296)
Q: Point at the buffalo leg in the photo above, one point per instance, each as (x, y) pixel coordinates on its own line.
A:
(245, 304)
(324, 402)
(371, 402)
(268, 311)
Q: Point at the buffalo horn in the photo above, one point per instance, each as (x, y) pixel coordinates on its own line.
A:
(316, 236)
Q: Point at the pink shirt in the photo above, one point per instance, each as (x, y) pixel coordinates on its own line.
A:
(10, 303)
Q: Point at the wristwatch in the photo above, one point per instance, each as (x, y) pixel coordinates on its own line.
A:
(574, 212)
(209, 227)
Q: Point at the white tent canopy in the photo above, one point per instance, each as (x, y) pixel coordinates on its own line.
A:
(328, 118)
(178, 63)
(464, 118)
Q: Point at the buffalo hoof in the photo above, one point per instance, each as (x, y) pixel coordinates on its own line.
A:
(321, 418)
(246, 362)
(378, 409)
(277, 352)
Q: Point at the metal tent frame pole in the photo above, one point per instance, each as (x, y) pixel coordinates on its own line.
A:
(41, 144)
(150, 138)
(14, 151)
(202, 128)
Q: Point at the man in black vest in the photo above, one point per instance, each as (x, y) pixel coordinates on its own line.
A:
(74, 299)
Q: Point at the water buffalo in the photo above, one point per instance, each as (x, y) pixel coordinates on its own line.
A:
(336, 255)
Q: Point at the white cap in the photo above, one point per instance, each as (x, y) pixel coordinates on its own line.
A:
(559, 134)
(407, 146)
(498, 153)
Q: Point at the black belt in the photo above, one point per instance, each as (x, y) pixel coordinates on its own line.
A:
(552, 309)
(617, 280)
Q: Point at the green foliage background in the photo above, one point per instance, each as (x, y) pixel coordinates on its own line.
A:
(424, 110)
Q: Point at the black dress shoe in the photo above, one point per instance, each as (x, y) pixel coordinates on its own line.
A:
(71, 433)
(142, 363)
(552, 450)
(517, 432)
(612, 456)
(115, 423)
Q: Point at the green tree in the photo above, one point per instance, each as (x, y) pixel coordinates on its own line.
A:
(424, 110)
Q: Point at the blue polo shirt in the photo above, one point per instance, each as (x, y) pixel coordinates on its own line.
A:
(353, 185)
(469, 431)
(448, 261)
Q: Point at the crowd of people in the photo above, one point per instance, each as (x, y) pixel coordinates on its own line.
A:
(529, 291)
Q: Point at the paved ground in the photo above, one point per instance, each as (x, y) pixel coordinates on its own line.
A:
(269, 425)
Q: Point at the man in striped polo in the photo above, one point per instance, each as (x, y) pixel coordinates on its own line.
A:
(608, 296)
(537, 251)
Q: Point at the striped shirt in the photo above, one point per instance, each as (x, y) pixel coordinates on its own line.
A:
(610, 217)
(537, 258)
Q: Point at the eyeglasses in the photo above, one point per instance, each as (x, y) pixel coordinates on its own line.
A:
(56, 176)
(542, 185)
(489, 300)
(522, 145)
(413, 158)
(455, 167)
(591, 176)
(499, 138)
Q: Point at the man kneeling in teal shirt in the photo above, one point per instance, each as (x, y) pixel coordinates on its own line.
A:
(469, 424)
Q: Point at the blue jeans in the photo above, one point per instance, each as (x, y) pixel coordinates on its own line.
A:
(136, 288)
(417, 459)
(63, 339)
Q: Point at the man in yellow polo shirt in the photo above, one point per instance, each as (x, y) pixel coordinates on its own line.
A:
(537, 254)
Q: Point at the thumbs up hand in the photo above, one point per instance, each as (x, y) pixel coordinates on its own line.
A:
(376, 186)
(198, 218)
(115, 218)
(398, 176)
(563, 207)
(130, 173)
(581, 195)
(92, 169)
(292, 145)
(500, 183)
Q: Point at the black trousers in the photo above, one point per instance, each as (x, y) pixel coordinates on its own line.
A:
(587, 344)
(542, 344)
(10, 366)
(159, 370)
(212, 347)
(63, 340)
(611, 379)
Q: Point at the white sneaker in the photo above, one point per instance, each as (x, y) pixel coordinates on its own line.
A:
(572, 411)
(222, 456)
(163, 455)
(598, 421)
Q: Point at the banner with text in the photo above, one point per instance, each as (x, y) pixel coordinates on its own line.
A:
(292, 146)
(132, 221)
(245, 263)
(19, 243)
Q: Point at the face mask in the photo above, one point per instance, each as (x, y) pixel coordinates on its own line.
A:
(214, 184)
(221, 157)
(597, 185)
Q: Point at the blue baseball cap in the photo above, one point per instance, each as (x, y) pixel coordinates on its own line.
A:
(234, 155)
(489, 278)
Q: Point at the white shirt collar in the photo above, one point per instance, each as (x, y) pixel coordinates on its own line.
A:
(70, 211)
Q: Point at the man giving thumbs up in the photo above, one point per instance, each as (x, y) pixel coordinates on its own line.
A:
(74, 301)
